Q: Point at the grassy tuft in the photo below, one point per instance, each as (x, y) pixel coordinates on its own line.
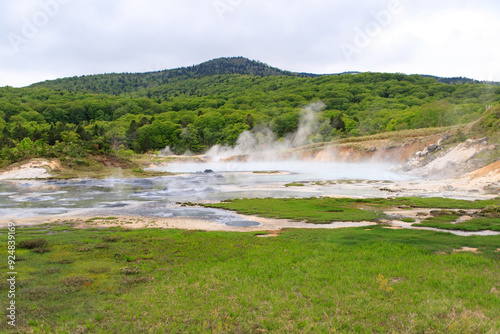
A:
(294, 184)
(40, 250)
(476, 224)
(111, 238)
(75, 281)
(130, 270)
(33, 243)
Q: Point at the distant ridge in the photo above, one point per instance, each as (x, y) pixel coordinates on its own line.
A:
(118, 83)
(459, 80)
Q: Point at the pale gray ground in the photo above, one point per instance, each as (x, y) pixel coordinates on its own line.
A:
(155, 200)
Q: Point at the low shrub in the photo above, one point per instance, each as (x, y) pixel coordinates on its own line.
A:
(40, 250)
(75, 281)
(33, 243)
(131, 270)
(111, 238)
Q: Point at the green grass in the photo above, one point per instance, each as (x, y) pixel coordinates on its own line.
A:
(303, 281)
(475, 224)
(327, 210)
(294, 184)
(485, 219)
(266, 172)
(310, 210)
(101, 218)
(435, 202)
(442, 219)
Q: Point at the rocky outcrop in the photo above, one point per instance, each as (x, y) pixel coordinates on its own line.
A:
(377, 150)
(438, 160)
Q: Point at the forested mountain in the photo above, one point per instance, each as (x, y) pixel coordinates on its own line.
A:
(460, 80)
(150, 83)
(119, 83)
(196, 110)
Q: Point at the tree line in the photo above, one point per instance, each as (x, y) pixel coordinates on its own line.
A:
(196, 113)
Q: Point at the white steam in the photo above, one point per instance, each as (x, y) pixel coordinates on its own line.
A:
(165, 152)
(261, 143)
(308, 124)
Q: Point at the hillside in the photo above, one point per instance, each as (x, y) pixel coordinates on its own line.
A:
(156, 83)
(119, 83)
(209, 104)
(460, 80)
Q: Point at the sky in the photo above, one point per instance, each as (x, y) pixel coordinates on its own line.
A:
(49, 39)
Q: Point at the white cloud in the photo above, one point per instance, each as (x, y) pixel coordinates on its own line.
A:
(452, 42)
(447, 38)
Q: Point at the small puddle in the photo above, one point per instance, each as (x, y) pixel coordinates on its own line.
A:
(214, 215)
(242, 223)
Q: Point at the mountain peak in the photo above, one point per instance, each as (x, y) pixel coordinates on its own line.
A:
(107, 83)
(238, 65)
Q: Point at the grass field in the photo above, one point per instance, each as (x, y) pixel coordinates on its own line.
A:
(350, 280)
(327, 210)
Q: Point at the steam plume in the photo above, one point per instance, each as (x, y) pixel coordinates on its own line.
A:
(262, 144)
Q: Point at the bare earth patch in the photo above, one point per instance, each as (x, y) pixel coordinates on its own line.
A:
(466, 249)
(184, 223)
(491, 172)
(269, 234)
(34, 169)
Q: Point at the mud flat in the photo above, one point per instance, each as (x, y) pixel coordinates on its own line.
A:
(28, 199)
(244, 224)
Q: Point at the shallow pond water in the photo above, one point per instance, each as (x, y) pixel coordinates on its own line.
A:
(196, 182)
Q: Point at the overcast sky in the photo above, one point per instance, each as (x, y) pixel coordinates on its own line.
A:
(48, 39)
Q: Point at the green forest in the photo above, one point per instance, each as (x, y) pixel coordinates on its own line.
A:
(194, 108)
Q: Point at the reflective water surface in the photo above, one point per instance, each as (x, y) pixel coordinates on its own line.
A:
(195, 182)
